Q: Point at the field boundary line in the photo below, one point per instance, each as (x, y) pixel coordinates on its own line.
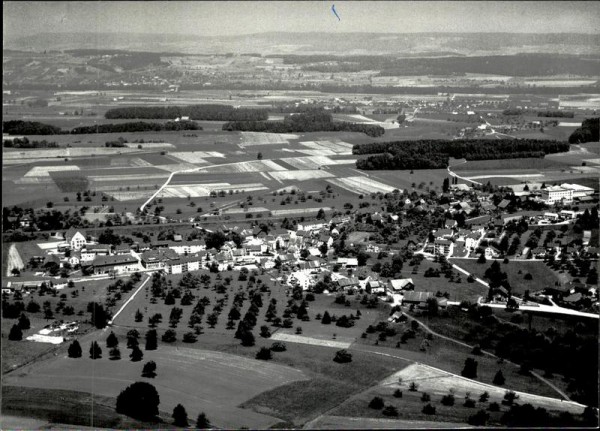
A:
(130, 299)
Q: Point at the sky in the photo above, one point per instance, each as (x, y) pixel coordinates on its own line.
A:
(245, 17)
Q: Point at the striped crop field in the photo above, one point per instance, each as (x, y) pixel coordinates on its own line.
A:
(259, 138)
(315, 162)
(361, 185)
(299, 211)
(244, 167)
(150, 145)
(44, 171)
(301, 175)
(201, 190)
(195, 156)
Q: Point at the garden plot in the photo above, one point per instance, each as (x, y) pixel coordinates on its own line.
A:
(315, 162)
(361, 185)
(201, 190)
(150, 145)
(44, 171)
(258, 138)
(280, 336)
(302, 175)
(299, 211)
(244, 167)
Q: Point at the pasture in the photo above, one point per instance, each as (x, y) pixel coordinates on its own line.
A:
(201, 380)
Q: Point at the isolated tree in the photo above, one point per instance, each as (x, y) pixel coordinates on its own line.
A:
(326, 320)
(74, 350)
(189, 337)
(376, 403)
(114, 354)
(470, 369)
(15, 333)
(202, 422)
(139, 316)
(265, 332)
(136, 354)
(149, 369)
(112, 340)
(264, 354)
(247, 339)
(169, 336)
(151, 340)
(390, 411)
(429, 409)
(95, 350)
(499, 378)
(481, 258)
(180, 417)
(259, 156)
(397, 393)
(139, 400)
(24, 323)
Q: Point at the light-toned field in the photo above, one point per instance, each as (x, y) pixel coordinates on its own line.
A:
(44, 171)
(301, 175)
(361, 185)
(341, 422)
(243, 167)
(258, 138)
(333, 147)
(14, 260)
(299, 211)
(199, 190)
(150, 145)
(195, 156)
(40, 154)
(315, 162)
(201, 380)
(133, 162)
(438, 382)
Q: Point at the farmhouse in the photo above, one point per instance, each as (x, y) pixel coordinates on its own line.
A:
(75, 239)
(402, 284)
(417, 298)
(118, 264)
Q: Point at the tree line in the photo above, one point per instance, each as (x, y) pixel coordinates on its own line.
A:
(26, 143)
(194, 112)
(556, 114)
(18, 127)
(314, 121)
(435, 154)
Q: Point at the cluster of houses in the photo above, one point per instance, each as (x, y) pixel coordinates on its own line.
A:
(454, 241)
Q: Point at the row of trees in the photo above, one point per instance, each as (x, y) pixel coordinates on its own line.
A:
(313, 121)
(194, 112)
(19, 127)
(26, 143)
(434, 154)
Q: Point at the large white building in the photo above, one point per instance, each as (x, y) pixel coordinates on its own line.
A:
(579, 191)
(553, 194)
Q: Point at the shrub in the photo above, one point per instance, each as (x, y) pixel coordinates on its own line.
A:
(149, 369)
(390, 411)
(202, 422)
(397, 393)
(169, 336)
(376, 403)
(278, 346)
(95, 350)
(479, 419)
(136, 354)
(425, 397)
(180, 417)
(469, 403)
(414, 387)
(342, 356)
(189, 337)
(448, 400)
(494, 407)
(499, 378)
(264, 354)
(15, 333)
(428, 409)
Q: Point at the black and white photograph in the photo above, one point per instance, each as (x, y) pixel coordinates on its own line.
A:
(325, 214)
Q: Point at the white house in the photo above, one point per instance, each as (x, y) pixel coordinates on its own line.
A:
(75, 239)
(552, 195)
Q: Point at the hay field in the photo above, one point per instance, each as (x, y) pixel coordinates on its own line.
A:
(44, 171)
(196, 156)
(201, 190)
(361, 185)
(244, 167)
(315, 162)
(299, 211)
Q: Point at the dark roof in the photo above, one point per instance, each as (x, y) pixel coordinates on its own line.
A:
(120, 259)
(412, 296)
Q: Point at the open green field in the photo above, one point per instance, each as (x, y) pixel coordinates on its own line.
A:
(516, 270)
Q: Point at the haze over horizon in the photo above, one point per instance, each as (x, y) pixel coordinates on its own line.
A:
(240, 18)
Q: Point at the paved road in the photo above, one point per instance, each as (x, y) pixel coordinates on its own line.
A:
(142, 284)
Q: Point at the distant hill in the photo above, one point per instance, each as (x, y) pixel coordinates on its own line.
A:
(319, 43)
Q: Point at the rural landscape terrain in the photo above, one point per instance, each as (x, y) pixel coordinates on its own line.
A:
(300, 230)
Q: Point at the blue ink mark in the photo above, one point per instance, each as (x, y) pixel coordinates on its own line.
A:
(334, 12)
